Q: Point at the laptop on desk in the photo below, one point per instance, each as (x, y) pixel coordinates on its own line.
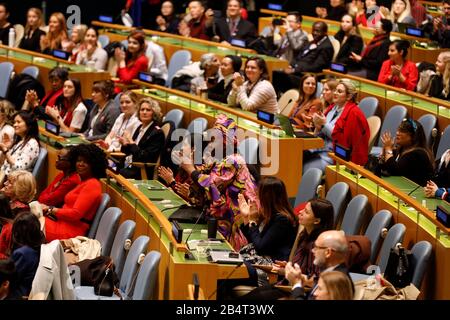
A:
(287, 127)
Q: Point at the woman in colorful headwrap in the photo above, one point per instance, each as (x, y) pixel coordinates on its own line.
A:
(223, 179)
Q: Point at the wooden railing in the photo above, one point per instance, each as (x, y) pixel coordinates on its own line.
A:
(209, 103)
(173, 36)
(156, 213)
(35, 54)
(398, 194)
(413, 94)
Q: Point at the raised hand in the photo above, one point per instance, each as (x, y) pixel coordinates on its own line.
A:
(387, 140)
(293, 273)
(166, 174)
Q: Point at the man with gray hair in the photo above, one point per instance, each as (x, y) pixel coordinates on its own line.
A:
(330, 252)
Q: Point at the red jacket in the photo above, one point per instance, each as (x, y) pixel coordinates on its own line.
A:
(352, 131)
(74, 218)
(54, 194)
(409, 71)
(130, 72)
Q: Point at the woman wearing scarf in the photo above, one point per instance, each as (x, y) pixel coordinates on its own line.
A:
(223, 179)
(375, 53)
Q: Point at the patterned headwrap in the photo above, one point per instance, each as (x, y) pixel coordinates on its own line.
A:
(227, 127)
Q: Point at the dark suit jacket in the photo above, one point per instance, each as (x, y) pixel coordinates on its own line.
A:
(104, 122)
(147, 150)
(374, 59)
(315, 60)
(353, 44)
(219, 92)
(300, 294)
(245, 30)
(26, 260)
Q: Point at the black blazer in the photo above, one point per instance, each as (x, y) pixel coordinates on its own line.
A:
(373, 61)
(149, 147)
(104, 122)
(219, 92)
(275, 240)
(300, 294)
(315, 60)
(245, 30)
(32, 43)
(354, 44)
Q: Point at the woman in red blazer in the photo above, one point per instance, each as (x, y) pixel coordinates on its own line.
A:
(342, 123)
(397, 71)
(80, 204)
(134, 60)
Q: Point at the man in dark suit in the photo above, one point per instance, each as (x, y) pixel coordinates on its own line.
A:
(314, 57)
(330, 253)
(232, 26)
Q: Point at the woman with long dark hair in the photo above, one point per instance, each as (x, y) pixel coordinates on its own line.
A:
(167, 21)
(255, 92)
(134, 60)
(307, 104)
(350, 41)
(397, 71)
(407, 155)
(70, 116)
(24, 151)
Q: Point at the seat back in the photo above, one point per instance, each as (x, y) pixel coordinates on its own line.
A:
(391, 121)
(336, 46)
(369, 106)
(32, 71)
(198, 125)
(40, 170)
(147, 277)
(444, 143)
(117, 99)
(121, 244)
(395, 235)
(428, 122)
(98, 215)
(248, 149)
(103, 39)
(6, 70)
(337, 196)
(308, 186)
(374, 123)
(354, 215)
(20, 31)
(319, 89)
(377, 227)
(176, 116)
(128, 278)
(107, 228)
(421, 255)
(178, 60)
(287, 101)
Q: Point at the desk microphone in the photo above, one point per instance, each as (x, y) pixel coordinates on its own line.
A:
(411, 192)
(189, 254)
(290, 100)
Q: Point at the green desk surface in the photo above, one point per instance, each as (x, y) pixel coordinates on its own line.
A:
(406, 186)
(211, 112)
(66, 143)
(404, 99)
(157, 192)
(188, 44)
(38, 61)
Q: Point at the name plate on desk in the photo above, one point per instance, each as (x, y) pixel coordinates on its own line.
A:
(443, 216)
(145, 77)
(342, 152)
(265, 116)
(275, 6)
(416, 32)
(61, 54)
(52, 127)
(338, 67)
(105, 18)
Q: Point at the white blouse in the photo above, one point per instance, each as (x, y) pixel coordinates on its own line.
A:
(23, 156)
(120, 126)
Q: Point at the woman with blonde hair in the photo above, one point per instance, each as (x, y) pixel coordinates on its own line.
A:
(327, 92)
(76, 41)
(146, 142)
(57, 33)
(6, 118)
(440, 83)
(334, 285)
(32, 35)
(401, 13)
(127, 121)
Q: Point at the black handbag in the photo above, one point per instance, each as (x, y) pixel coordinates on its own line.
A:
(399, 269)
(99, 273)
